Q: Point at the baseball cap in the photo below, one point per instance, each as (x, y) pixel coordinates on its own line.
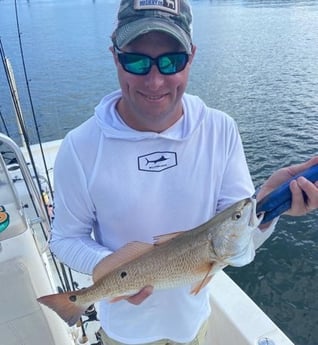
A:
(138, 17)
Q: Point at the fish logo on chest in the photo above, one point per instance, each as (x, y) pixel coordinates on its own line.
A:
(157, 161)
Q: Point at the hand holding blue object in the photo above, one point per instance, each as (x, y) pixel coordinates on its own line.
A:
(279, 200)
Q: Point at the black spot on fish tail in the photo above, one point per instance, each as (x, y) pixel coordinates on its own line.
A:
(64, 305)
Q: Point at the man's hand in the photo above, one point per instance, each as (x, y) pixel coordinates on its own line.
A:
(299, 206)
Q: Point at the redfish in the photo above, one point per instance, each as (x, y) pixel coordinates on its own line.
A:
(173, 260)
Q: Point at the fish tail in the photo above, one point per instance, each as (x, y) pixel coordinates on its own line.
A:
(64, 304)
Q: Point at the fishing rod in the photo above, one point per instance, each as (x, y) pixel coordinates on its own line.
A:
(31, 102)
(8, 74)
(4, 124)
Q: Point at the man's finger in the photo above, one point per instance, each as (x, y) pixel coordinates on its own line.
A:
(141, 295)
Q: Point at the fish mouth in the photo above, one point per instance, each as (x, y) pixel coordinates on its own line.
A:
(256, 218)
(248, 251)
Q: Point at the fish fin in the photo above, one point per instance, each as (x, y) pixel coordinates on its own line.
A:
(160, 239)
(122, 256)
(62, 304)
(202, 283)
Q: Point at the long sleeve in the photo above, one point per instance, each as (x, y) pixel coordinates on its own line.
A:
(72, 240)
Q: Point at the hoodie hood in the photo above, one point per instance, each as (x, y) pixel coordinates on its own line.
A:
(112, 126)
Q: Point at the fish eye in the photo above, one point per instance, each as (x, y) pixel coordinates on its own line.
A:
(236, 215)
(73, 298)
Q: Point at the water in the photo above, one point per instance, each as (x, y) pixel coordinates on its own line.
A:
(256, 60)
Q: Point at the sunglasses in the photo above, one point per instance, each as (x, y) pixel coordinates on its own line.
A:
(140, 64)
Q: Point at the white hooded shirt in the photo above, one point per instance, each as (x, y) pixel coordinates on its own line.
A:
(121, 185)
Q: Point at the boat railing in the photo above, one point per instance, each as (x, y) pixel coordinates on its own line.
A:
(41, 215)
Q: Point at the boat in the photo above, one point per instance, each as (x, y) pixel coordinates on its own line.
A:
(29, 270)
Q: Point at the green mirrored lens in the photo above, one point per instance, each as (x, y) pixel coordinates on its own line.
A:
(136, 63)
(172, 63)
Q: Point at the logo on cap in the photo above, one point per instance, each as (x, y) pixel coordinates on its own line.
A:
(171, 6)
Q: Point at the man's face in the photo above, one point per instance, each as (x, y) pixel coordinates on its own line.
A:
(152, 102)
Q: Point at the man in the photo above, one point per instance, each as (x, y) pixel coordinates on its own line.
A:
(152, 160)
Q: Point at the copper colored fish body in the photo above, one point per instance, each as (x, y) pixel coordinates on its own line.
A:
(173, 260)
